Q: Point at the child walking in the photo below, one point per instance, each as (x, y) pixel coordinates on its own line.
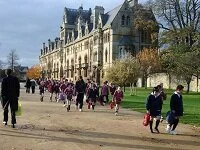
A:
(154, 107)
(176, 107)
(117, 98)
(41, 88)
(69, 92)
(93, 94)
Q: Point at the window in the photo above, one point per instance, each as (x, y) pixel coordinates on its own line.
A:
(106, 56)
(108, 37)
(145, 37)
(123, 20)
(95, 57)
(127, 20)
(72, 68)
(67, 68)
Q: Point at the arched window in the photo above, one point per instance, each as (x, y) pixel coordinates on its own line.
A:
(85, 67)
(128, 20)
(72, 68)
(106, 56)
(123, 20)
(67, 68)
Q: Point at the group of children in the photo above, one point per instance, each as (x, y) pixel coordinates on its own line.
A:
(154, 108)
(66, 91)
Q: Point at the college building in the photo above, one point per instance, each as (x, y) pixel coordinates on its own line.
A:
(90, 40)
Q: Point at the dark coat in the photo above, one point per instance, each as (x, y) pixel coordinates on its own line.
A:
(93, 93)
(80, 86)
(176, 104)
(28, 83)
(154, 105)
(10, 90)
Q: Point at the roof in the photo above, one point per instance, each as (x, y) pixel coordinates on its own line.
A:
(21, 68)
(110, 16)
(73, 14)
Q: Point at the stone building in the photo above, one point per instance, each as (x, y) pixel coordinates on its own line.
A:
(90, 40)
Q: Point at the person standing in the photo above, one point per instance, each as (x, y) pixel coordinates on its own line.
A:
(80, 90)
(176, 107)
(154, 107)
(10, 91)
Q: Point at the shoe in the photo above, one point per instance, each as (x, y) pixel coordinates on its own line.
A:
(168, 129)
(151, 131)
(80, 110)
(172, 132)
(156, 129)
(64, 105)
(116, 114)
(4, 123)
(13, 125)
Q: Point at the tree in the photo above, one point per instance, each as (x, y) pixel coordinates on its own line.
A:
(145, 21)
(181, 62)
(123, 71)
(181, 19)
(34, 72)
(12, 59)
(181, 25)
(149, 60)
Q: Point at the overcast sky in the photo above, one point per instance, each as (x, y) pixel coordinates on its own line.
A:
(26, 24)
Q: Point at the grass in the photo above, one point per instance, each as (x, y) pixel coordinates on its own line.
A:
(191, 103)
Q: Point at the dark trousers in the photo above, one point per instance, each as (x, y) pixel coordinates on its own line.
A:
(5, 113)
(33, 89)
(28, 90)
(79, 100)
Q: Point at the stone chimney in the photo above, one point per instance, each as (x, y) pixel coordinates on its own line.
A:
(44, 46)
(133, 2)
(49, 42)
(97, 10)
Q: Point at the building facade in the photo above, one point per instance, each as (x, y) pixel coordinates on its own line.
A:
(89, 41)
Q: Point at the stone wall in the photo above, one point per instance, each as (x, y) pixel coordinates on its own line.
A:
(155, 79)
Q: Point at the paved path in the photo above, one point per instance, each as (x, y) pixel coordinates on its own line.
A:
(48, 126)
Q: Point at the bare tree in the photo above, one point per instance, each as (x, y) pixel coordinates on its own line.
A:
(180, 18)
(12, 59)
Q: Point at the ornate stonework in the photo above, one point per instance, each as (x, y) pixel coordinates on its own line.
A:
(89, 42)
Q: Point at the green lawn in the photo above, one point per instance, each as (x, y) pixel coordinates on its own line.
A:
(191, 104)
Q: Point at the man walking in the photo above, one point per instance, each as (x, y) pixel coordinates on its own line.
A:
(80, 90)
(10, 90)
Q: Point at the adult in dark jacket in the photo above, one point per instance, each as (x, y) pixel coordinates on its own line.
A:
(80, 90)
(10, 90)
(154, 107)
(176, 107)
(33, 84)
(28, 85)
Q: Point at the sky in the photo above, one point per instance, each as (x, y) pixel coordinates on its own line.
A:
(26, 24)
